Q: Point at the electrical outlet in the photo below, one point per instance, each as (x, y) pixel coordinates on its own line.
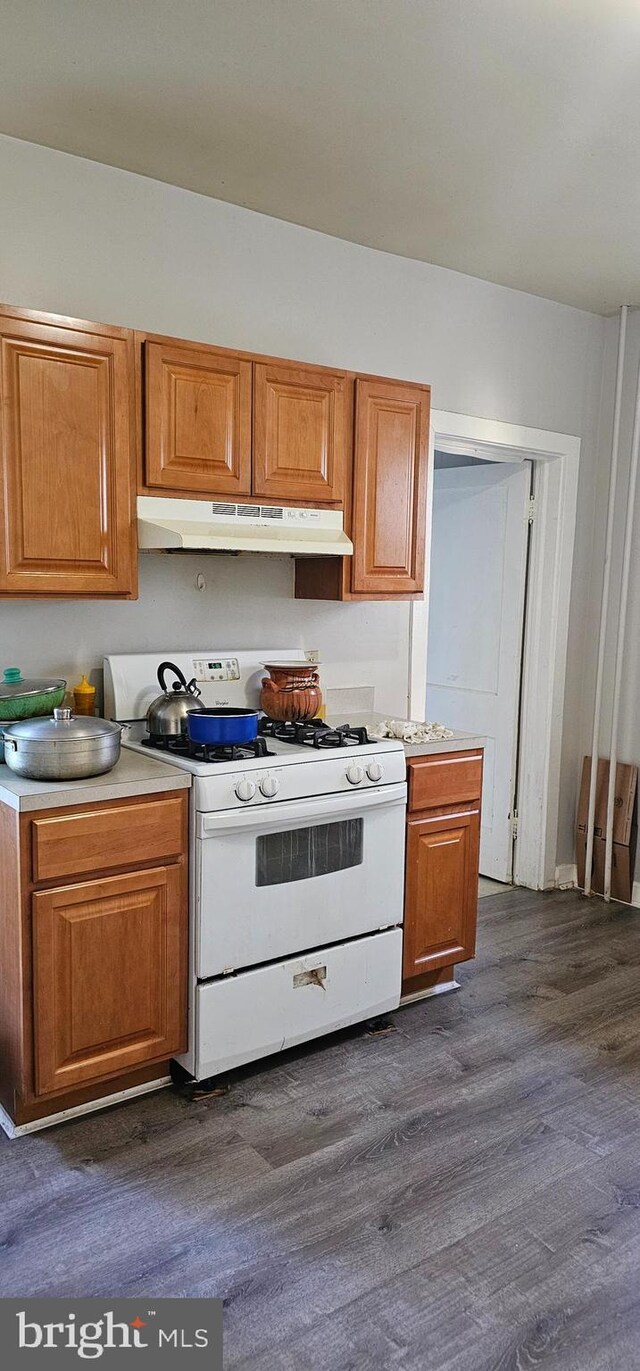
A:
(312, 654)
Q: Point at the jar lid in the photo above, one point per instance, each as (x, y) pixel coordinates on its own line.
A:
(14, 683)
(63, 726)
(84, 687)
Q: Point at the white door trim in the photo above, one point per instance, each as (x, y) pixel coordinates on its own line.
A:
(557, 457)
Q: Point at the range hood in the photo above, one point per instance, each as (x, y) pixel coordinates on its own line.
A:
(216, 526)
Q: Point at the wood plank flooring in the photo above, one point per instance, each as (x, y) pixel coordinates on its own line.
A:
(461, 1194)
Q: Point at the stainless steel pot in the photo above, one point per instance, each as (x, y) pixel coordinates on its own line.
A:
(167, 715)
(62, 748)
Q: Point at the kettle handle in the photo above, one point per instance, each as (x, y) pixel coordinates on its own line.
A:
(169, 666)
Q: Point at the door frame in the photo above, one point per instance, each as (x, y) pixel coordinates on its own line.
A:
(546, 629)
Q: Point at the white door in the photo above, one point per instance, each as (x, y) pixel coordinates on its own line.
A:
(476, 608)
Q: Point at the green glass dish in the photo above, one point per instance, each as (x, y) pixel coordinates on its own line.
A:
(26, 699)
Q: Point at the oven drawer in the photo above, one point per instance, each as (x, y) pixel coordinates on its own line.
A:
(259, 1012)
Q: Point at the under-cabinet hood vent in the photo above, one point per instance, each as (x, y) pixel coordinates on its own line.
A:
(221, 526)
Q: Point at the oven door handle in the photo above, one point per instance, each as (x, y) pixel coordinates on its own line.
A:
(295, 812)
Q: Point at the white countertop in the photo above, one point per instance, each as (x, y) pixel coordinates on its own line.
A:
(460, 742)
(132, 775)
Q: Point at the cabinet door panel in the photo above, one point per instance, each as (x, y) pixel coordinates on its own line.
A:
(67, 461)
(198, 407)
(109, 976)
(389, 513)
(441, 891)
(300, 433)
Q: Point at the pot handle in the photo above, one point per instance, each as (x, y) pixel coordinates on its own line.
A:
(169, 666)
(9, 742)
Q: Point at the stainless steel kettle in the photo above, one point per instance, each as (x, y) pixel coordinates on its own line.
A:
(167, 714)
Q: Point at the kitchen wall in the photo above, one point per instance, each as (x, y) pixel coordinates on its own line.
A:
(89, 240)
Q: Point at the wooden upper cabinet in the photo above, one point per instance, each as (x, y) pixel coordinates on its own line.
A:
(66, 457)
(390, 487)
(198, 420)
(301, 432)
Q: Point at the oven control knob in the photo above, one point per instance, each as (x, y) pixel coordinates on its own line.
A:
(270, 787)
(355, 774)
(245, 790)
(374, 771)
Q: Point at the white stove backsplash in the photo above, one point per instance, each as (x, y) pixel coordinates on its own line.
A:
(345, 702)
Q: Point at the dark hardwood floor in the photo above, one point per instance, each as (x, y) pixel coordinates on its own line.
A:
(462, 1193)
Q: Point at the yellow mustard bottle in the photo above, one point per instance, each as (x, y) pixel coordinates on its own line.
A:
(84, 697)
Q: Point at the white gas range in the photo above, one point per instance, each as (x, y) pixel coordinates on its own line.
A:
(297, 869)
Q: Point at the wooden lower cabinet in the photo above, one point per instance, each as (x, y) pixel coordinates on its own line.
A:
(106, 954)
(443, 851)
(93, 967)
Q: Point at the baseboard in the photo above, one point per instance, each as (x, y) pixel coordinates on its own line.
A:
(567, 876)
(443, 989)
(17, 1130)
(567, 879)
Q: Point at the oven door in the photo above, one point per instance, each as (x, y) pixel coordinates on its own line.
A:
(290, 877)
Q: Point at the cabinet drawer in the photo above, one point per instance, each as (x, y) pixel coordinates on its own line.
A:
(452, 779)
(102, 839)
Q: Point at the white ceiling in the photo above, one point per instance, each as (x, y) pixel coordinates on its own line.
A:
(497, 137)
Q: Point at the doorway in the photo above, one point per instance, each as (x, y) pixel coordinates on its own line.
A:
(555, 457)
(477, 593)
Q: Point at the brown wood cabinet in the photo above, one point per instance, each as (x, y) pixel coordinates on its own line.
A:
(386, 513)
(198, 420)
(390, 488)
(105, 958)
(443, 849)
(227, 424)
(93, 969)
(217, 424)
(300, 430)
(67, 484)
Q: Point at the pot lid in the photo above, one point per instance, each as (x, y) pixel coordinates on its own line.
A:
(13, 683)
(63, 726)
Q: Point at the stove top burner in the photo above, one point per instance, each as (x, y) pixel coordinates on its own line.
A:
(313, 733)
(207, 752)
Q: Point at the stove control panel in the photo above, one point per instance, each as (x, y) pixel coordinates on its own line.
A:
(216, 669)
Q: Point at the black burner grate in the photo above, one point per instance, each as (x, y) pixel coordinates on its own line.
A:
(314, 733)
(207, 752)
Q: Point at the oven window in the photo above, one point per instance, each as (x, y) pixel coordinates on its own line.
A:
(305, 852)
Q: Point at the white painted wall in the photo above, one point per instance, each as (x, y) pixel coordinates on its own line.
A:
(84, 239)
